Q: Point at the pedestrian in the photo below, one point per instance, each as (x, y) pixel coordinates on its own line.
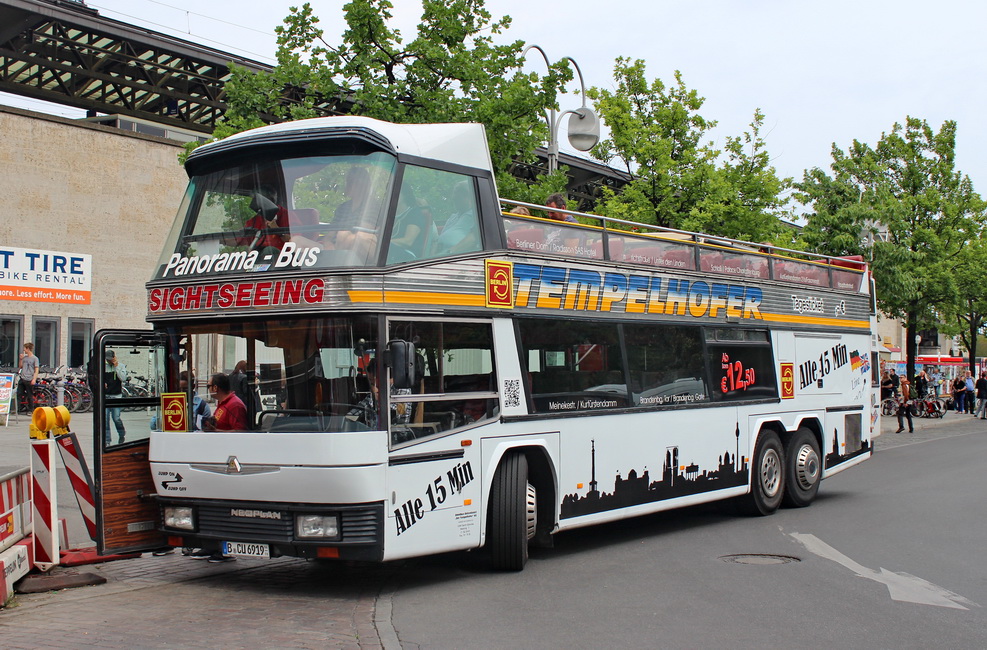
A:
(936, 381)
(971, 392)
(959, 393)
(887, 388)
(114, 376)
(921, 384)
(895, 381)
(905, 406)
(982, 396)
(28, 376)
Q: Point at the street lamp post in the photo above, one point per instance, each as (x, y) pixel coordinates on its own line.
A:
(583, 132)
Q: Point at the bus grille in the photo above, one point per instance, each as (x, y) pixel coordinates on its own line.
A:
(363, 524)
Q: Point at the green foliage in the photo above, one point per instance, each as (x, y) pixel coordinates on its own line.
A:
(680, 180)
(908, 187)
(449, 71)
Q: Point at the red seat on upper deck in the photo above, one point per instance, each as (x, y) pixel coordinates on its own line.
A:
(855, 262)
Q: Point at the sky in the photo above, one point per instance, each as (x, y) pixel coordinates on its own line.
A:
(821, 72)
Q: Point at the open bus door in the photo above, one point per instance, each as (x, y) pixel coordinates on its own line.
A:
(127, 376)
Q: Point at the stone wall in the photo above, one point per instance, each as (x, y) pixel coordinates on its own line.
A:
(75, 187)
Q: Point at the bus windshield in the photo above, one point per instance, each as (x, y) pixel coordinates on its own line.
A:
(314, 374)
(330, 209)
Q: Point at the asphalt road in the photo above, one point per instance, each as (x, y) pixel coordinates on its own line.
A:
(890, 555)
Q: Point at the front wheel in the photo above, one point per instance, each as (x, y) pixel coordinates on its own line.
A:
(513, 514)
(803, 469)
(768, 477)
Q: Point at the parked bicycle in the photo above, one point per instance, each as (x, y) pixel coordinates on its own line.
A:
(929, 407)
(889, 406)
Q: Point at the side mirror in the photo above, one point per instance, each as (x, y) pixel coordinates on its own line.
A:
(401, 357)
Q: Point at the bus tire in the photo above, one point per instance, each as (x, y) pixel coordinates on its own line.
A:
(512, 519)
(803, 469)
(767, 477)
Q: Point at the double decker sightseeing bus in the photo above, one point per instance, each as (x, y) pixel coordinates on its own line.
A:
(426, 370)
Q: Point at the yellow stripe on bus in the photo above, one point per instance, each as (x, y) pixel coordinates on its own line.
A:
(814, 320)
(418, 298)
(467, 300)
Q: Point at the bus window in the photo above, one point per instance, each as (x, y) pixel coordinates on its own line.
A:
(436, 214)
(741, 363)
(455, 384)
(242, 217)
(314, 374)
(665, 363)
(457, 221)
(573, 366)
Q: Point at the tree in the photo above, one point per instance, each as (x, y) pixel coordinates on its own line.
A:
(657, 133)
(968, 315)
(908, 185)
(450, 71)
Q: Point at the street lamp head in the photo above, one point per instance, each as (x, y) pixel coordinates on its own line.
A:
(584, 128)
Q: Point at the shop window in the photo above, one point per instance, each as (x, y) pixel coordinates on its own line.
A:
(11, 329)
(80, 341)
(46, 342)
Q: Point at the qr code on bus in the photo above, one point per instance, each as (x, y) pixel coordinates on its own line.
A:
(512, 393)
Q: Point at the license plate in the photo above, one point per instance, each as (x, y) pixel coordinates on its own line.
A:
(245, 549)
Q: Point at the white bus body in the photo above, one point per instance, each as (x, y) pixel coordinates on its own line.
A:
(441, 376)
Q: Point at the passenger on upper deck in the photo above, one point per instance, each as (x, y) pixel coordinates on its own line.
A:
(555, 241)
(460, 234)
(559, 202)
(412, 229)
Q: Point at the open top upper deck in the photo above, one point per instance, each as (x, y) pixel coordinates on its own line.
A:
(356, 214)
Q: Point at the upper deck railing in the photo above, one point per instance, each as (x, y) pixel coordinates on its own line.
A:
(622, 241)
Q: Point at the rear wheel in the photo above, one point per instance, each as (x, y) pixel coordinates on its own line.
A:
(803, 469)
(768, 477)
(513, 514)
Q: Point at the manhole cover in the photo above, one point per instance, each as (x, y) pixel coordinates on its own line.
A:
(759, 558)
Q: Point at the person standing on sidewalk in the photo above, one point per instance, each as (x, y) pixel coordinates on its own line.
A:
(905, 405)
(981, 411)
(921, 384)
(28, 375)
(971, 392)
(959, 393)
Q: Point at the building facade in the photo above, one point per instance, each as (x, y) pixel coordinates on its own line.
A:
(87, 209)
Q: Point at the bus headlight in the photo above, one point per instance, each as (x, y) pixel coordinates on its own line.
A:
(182, 517)
(316, 526)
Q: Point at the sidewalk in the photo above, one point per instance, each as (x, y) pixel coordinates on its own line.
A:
(176, 601)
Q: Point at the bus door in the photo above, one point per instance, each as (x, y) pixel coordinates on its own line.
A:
(127, 377)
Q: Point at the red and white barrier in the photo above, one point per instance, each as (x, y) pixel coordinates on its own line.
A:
(16, 558)
(82, 482)
(44, 504)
